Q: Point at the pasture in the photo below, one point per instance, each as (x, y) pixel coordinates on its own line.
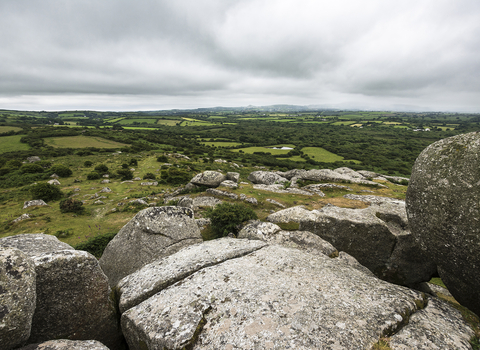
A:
(9, 128)
(12, 144)
(82, 142)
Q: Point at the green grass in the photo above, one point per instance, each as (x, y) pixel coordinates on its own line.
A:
(168, 122)
(9, 128)
(222, 144)
(81, 142)
(251, 150)
(321, 155)
(139, 120)
(12, 144)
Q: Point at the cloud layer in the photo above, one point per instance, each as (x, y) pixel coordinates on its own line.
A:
(119, 54)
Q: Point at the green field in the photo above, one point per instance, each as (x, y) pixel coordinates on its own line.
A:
(168, 122)
(81, 142)
(9, 128)
(12, 144)
(274, 152)
(321, 155)
(139, 120)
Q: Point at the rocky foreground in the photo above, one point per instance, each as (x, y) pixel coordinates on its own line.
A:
(345, 280)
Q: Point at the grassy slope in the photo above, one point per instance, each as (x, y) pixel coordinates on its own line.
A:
(12, 143)
(82, 141)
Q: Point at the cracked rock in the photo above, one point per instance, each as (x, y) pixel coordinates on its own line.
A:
(153, 233)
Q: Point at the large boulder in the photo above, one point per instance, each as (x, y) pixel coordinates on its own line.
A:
(65, 344)
(152, 234)
(266, 178)
(209, 178)
(443, 206)
(164, 272)
(17, 297)
(377, 237)
(274, 297)
(73, 296)
(292, 214)
(273, 234)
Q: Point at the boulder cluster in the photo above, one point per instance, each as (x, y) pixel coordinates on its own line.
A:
(346, 279)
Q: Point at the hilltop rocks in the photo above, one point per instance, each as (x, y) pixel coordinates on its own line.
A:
(152, 234)
(209, 178)
(293, 214)
(72, 293)
(17, 297)
(266, 178)
(443, 206)
(377, 237)
(34, 203)
(65, 344)
(273, 297)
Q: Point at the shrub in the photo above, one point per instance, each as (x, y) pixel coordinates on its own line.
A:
(61, 170)
(93, 175)
(46, 192)
(44, 163)
(96, 245)
(87, 164)
(133, 162)
(14, 163)
(162, 159)
(64, 233)
(31, 169)
(149, 176)
(226, 218)
(175, 176)
(71, 205)
(125, 166)
(125, 174)
(102, 169)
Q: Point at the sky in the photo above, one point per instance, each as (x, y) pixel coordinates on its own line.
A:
(118, 55)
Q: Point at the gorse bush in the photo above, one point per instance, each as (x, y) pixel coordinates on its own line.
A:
(175, 176)
(71, 205)
(46, 192)
(87, 164)
(226, 218)
(149, 176)
(31, 169)
(102, 169)
(93, 175)
(125, 174)
(61, 170)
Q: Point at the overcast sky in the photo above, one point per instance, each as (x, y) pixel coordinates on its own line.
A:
(148, 55)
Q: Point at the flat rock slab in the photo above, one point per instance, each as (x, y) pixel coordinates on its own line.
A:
(293, 214)
(275, 297)
(209, 178)
(162, 273)
(277, 188)
(17, 297)
(64, 344)
(34, 244)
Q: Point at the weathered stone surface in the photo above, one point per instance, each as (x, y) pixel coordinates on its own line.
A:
(204, 202)
(438, 326)
(154, 183)
(266, 178)
(34, 203)
(320, 187)
(274, 202)
(291, 173)
(322, 175)
(350, 173)
(275, 297)
(221, 193)
(443, 206)
(368, 198)
(105, 190)
(65, 344)
(162, 273)
(203, 223)
(351, 261)
(17, 297)
(233, 176)
(34, 244)
(33, 159)
(293, 214)
(73, 296)
(185, 201)
(368, 174)
(273, 234)
(229, 184)
(152, 234)
(21, 218)
(280, 189)
(54, 182)
(138, 201)
(397, 179)
(209, 178)
(377, 237)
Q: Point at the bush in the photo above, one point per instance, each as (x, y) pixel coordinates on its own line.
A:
(31, 169)
(46, 192)
(71, 205)
(133, 162)
(87, 164)
(226, 218)
(125, 166)
(102, 169)
(162, 159)
(96, 245)
(149, 176)
(93, 175)
(61, 170)
(175, 176)
(14, 163)
(64, 233)
(125, 174)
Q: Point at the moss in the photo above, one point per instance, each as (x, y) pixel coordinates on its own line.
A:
(382, 344)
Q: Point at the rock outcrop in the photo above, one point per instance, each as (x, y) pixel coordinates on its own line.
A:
(34, 203)
(266, 178)
(274, 297)
(209, 178)
(443, 206)
(17, 297)
(377, 237)
(65, 344)
(152, 234)
(292, 214)
(72, 292)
